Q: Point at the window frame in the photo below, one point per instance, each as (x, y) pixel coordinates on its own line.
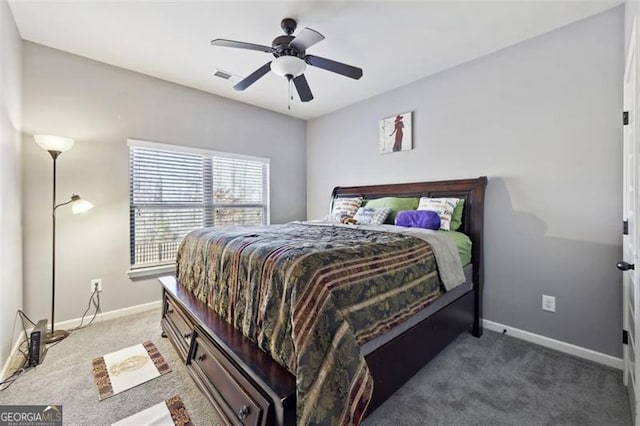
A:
(156, 269)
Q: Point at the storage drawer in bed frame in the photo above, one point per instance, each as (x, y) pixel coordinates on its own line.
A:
(233, 395)
(245, 387)
(177, 324)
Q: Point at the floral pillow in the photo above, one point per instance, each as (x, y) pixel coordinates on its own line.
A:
(371, 216)
(443, 206)
(344, 207)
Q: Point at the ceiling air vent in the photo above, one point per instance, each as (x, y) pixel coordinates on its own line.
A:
(226, 75)
(222, 74)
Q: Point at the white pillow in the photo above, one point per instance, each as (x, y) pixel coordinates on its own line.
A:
(443, 206)
(344, 207)
(371, 216)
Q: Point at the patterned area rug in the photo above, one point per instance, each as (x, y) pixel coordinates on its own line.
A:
(129, 367)
(168, 413)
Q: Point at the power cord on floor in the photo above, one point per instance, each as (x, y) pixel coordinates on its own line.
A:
(5, 384)
(94, 300)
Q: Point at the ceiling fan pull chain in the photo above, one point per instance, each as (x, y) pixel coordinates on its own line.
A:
(289, 97)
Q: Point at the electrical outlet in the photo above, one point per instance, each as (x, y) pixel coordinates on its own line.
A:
(548, 303)
(96, 282)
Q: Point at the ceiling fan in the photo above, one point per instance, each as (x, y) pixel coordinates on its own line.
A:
(291, 59)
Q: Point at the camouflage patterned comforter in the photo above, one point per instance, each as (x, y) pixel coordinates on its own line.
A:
(309, 296)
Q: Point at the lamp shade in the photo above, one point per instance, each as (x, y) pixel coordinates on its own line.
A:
(54, 143)
(78, 205)
(288, 65)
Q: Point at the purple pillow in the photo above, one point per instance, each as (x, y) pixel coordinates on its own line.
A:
(426, 219)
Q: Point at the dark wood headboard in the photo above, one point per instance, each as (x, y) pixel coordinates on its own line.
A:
(472, 190)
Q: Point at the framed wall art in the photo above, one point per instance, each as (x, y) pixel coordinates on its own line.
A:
(395, 133)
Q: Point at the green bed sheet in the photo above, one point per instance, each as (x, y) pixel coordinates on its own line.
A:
(463, 243)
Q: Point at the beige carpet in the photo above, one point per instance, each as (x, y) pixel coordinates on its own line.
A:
(494, 380)
(65, 377)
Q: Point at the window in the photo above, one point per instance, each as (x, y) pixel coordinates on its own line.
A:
(174, 190)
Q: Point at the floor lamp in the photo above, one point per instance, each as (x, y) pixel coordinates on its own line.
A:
(56, 145)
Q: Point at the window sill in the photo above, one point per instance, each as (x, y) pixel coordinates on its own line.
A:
(151, 272)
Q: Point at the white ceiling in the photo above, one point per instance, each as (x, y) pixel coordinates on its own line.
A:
(394, 42)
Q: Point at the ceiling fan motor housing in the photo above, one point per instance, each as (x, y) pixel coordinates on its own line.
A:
(282, 48)
(288, 25)
(281, 43)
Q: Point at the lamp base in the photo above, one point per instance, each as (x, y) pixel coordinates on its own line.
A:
(56, 336)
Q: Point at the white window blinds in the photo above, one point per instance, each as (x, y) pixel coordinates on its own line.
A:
(173, 192)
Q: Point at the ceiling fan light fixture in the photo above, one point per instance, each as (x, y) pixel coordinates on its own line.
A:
(285, 66)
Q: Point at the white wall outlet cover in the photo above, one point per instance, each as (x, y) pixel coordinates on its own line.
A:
(548, 303)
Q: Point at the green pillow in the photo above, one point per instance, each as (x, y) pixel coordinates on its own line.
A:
(395, 204)
(456, 217)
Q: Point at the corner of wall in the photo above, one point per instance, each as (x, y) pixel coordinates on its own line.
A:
(10, 180)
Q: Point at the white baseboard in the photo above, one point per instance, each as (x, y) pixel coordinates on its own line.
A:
(7, 363)
(117, 313)
(558, 345)
(538, 339)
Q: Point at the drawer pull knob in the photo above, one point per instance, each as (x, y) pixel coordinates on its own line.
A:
(202, 357)
(186, 335)
(169, 311)
(244, 412)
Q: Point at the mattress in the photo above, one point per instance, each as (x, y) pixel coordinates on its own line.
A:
(463, 244)
(430, 309)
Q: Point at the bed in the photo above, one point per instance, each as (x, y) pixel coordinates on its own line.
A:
(249, 381)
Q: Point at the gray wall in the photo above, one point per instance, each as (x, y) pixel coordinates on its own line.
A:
(542, 120)
(10, 189)
(631, 11)
(100, 106)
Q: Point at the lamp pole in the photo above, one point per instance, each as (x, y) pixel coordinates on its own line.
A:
(54, 155)
(60, 334)
(55, 145)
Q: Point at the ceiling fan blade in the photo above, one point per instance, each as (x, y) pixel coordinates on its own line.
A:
(249, 80)
(303, 88)
(306, 39)
(333, 66)
(241, 45)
